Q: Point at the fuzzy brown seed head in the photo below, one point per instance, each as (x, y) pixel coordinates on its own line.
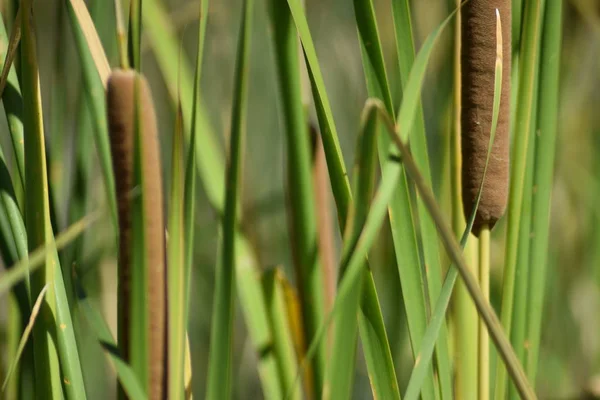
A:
(129, 101)
(478, 59)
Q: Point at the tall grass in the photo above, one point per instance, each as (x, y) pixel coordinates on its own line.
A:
(190, 223)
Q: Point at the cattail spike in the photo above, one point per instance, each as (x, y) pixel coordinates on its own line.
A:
(478, 60)
(129, 102)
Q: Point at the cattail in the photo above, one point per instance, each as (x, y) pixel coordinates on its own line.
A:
(129, 100)
(478, 59)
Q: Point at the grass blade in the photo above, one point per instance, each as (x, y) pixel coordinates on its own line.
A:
(418, 141)
(274, 286)
(11, 97)
(95, 72)
(177, 277)
(544, 163)
(335, 161)
(88, 39)
(402, 224)
(26, 332)
(219, 364)
(426, 350)
(302, 198)
(453, 248)
(340, 372)
(56, 316)
(135, 34)
(37, 257)
(209, 155)
(210, 167)
(371, 328)
(126, 376)
(385, 191)
(11, 49)
(525, 99)
(190, 168)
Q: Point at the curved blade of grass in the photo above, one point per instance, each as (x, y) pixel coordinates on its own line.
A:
(485, 310)
(94, 81)
(274, 287)
(219, 363)
(544, 166)
(26, 332)
(125, 374)
(135, 34)
(418, 144)
(81, 17)
(402, 224)
(177, 278)
(340, 372)
(11, 96)
(333, 153)
(190, 167)
(208, 160)
(56, 317)
(371, 328)
(431, 334)
(209, 156)
(529, 63)
(302, 198)
(385, 192)
(13, 238)
(11, 49)
(522, 269)
(36, 258)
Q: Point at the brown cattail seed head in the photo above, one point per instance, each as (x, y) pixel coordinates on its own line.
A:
(129, 102)
(478, 60)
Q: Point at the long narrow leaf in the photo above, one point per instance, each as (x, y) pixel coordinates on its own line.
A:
(302, 199)
(219, 364)
(529, 56)
(426, 350)
(39, 232)
(544, 163)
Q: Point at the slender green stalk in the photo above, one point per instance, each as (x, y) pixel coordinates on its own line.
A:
(340, 371)
(274, 286)
(219, 363)
(370, 321)
(302, 199)
(13, 106)
(466, 331)
(210, 166)
(484, 338)
(189, 194)
(94, 89)
(177, 277)
(391, 173)
(400, 211)
(426, 350)
(529, 62)
(121, 35)
(125, 374)
(56, 312)
(135, 34)
(544, 167)
(433, 269)
(522, 271)
(485, 310)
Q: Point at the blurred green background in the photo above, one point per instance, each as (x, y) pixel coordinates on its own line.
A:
(570, 353)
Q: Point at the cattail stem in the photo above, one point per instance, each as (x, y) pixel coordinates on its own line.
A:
(484, 338)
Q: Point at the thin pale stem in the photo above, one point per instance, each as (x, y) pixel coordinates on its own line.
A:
(484, 338)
